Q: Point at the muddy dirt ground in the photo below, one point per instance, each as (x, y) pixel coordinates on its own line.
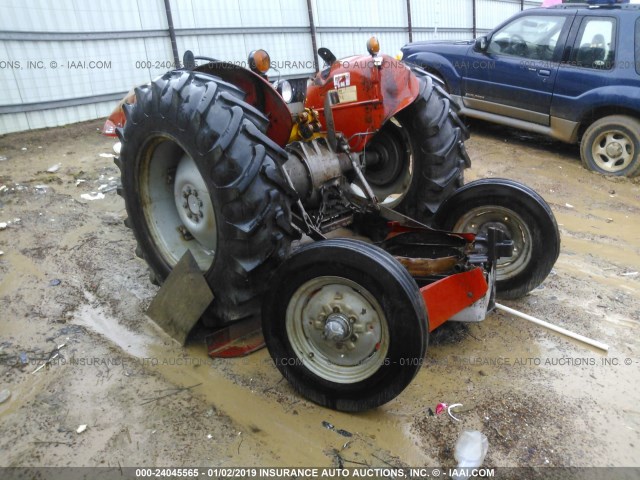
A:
(68, 275)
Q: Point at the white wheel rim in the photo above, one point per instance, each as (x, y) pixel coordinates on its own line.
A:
(479, 220)
(613, 151)
(171, 189)
(337, 329)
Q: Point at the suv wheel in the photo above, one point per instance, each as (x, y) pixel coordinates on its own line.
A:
(611, 146)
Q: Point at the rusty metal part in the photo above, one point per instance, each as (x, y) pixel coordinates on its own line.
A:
(182, 299)
(311, 165)
(423, 267)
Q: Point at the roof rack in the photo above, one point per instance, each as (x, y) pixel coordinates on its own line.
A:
(623, 6)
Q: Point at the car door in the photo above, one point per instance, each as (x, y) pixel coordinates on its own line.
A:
(514, 75)
(592, 63)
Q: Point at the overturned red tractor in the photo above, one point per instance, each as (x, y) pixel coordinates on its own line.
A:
(218, 161)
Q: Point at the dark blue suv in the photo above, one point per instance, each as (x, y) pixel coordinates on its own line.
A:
(571, 72)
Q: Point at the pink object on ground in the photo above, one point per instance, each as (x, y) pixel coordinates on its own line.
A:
(551, 3)
(441, 407)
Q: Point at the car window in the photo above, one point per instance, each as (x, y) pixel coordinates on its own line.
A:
(533, 37)
(595, 45)
(638, 45)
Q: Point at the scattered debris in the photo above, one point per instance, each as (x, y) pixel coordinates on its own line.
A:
(108, 187)
(80, 181)
(209, 436)
(4, 395)
(451, 414)
(3, 188)
(81, 428)
(568, 205)
(41, 188)
(328, 425)
(3, 158)
(54, 168)
(23, 358)
(55, 282)
(609, 220)
(470, 449)
(92, 196)
(441, 407)
(107, 155)
(1, 253)
(629, 274)
(430, 412)
(3, 225)
(55, 353)
(344, 433)
(175, 390)
(24, 149)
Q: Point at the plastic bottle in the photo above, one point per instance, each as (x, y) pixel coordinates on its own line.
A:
(471, 448)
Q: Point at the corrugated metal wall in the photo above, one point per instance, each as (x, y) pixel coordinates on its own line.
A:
(71, 60)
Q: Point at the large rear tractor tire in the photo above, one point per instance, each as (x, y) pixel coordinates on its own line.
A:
(420, 154)
(199, 174)
(345, 323)
(523, 216)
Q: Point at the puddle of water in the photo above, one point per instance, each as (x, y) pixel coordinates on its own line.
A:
(97, 320)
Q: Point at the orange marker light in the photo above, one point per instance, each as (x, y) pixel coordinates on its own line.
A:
(259, 61)
(373, 46)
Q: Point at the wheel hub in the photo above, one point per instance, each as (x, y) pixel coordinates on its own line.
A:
(337, 329)
(480, 219)
(192, 204)
(390, 168)
(614, 150)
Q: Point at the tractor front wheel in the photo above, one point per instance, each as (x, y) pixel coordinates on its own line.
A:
(522, 215)
(345, 323)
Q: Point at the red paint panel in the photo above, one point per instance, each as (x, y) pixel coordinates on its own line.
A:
(381, 93)
(446, 297)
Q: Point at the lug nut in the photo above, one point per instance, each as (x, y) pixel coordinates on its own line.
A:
(189, 214)
(185, 204)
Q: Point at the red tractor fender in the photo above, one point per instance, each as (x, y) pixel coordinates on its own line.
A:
(370, 90)
(259, 93)
(258, 90)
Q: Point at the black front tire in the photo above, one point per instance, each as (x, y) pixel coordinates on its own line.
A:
(522, 215)
(233, 172)
(330, 281)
